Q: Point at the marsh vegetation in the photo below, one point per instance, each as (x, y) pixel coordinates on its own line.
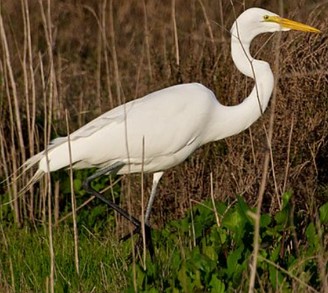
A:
(63, 63)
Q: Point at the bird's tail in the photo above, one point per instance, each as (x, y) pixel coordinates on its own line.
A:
(30, 163)
(35, 178)
(40, 159)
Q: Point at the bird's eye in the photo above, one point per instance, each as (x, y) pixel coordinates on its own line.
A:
(266, 17)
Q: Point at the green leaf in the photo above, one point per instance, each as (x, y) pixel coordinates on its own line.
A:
(197, 283)
(265, 220)
(323, 210)
(77, 183)
(285, 199)
(275, 253)
(232, 260)
(243, 209)
(216, 285)
(223, 236)
(276, 277)
(220, 208)
(312, 237)
(233, 221)
(184, 279)
(310, 232)
(282, 216)
(210, 252)
(140, 276)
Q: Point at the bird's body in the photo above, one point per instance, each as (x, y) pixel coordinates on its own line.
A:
(133, 133)
(162, 129)
(191, 110)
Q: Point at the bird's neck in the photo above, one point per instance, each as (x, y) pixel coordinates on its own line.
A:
(231, 120)
(258, 70)
(241, 56)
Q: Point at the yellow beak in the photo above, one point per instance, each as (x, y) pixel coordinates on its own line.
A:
(291, 24)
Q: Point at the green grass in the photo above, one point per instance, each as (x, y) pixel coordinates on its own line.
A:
(102, 263)
(199, 253)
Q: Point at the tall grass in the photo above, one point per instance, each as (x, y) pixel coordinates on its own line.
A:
(82, 58)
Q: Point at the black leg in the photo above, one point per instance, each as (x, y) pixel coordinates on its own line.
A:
(114, 169)
(139, 244)
(111, 169)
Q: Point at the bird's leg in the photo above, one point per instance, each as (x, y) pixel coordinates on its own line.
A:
(111, 169)
(114, 169)
(156, 177)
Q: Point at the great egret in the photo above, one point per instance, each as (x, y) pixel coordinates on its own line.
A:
(160, 130)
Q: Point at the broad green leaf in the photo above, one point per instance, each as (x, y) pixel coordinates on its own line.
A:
(197, 283)
(275, 253)
(77, 185)
(282, 216)
(140, 276)
(210, 252)
(216, 285)
(285, 199)
(323, 210)
(233, 221)
(232, 260)
(265, 220)
(244, 209)
(184, 279)
(312, 237)
(221, 208)
(276, 277)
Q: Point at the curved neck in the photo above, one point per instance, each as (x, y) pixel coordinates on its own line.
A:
(240, 53)
(231, 120)
(258, 70)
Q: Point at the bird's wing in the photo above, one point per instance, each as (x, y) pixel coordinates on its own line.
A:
(167, 120)
(114, 116)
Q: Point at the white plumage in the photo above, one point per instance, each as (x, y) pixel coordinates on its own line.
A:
(118, 134)
(173, 122)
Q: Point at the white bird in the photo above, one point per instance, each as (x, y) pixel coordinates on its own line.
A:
(160, 130)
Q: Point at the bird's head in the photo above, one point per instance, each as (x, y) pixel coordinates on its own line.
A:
(255, 21)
